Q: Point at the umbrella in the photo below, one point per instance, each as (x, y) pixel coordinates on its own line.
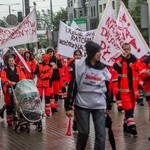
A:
(110, 132)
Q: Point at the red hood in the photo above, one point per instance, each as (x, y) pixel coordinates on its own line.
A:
(46, 58)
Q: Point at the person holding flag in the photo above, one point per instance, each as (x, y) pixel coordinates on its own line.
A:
(31, 64)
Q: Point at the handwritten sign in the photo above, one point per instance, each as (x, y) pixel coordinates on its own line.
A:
(25, 32)
(70, 40)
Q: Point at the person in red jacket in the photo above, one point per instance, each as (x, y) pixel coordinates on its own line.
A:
(10, 75)
(129, 69)
(146, 85)
(31, 64)
(44, 73)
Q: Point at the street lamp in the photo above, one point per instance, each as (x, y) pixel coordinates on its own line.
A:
(9, 5)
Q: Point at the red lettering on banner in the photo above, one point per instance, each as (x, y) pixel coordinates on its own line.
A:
(105, 52)
(90, 77)
(26, 29)
(125, 34)
(108, 32)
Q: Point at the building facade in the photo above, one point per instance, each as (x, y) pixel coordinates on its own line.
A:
(92, 10)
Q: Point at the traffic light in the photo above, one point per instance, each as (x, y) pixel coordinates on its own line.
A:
(27, 7)
(20, 17)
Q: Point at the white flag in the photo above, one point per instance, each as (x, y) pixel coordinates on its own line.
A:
(25, 32)
(129, 33)
(74, 25)
(106, 36)
(22, 60)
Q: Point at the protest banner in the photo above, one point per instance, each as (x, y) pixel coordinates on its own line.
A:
(105, 36)
(25, 32)
(70, 40)
(127, 32)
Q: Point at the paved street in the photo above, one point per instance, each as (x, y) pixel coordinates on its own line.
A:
(53, 135)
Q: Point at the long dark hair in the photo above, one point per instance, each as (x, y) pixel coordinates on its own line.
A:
(77, 51)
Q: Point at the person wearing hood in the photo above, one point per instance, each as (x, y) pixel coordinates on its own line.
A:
(31, 64)
(88, 92)
(44, 73)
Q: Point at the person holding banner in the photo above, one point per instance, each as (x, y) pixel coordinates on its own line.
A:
(88, 91)
(10, 76)
(129, 70)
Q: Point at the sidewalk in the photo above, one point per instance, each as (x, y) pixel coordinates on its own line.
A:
(53, 135)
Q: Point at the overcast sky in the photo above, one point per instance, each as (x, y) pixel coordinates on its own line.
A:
(41, 4)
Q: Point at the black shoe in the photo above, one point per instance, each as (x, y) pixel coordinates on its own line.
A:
(1, 113)
(74, 126)
(141, 104)
(125, 128)
(48, 115)
(120, 108)
(133, 130)
(15, 119)
(9, 125)
(54, 110)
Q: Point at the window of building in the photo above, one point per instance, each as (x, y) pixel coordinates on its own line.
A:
(68, 3)
(71, 4)
(70, 16)
(91, 11)
(86, 11)
(81, 13)
(94, 12)
(100, 8)
(113, 4)
(104, 6)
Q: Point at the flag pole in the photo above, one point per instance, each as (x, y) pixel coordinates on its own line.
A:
(36, 43)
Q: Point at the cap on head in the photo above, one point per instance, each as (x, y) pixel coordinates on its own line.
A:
(92, 48)
(49, 50)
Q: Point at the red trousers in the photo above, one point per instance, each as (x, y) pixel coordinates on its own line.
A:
(56, 87)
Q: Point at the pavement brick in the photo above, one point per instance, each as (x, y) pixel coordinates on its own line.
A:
(53, 135)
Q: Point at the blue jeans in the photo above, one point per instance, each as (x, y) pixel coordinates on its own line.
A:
(83, 127)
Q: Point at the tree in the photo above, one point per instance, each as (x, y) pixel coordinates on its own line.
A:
(60, 15)
(3, 23)
(126, 2)
(137, 18)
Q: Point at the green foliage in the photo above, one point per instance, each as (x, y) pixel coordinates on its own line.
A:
(60, 15)
(136, 17)
(3, 23)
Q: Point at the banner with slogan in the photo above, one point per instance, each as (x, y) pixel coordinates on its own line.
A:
(129, 33)
(25, 32)
(106, 36)
(70, 40)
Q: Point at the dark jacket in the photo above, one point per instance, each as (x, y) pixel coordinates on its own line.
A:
(56, 75)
